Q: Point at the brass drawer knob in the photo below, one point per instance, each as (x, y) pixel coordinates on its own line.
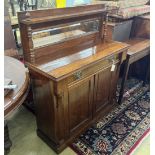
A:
(78, 75)
(111, 60)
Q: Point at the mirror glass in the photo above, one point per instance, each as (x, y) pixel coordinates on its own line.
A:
(64, 33)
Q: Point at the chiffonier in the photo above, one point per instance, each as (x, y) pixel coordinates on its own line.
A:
(73, 68)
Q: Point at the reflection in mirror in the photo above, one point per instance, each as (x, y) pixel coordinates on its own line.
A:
(63, 33)
(68, 59)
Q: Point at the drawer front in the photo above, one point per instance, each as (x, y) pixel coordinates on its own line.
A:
(92, 69)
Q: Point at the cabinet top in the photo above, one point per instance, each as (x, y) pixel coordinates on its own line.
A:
(63, 67)
(137, 45)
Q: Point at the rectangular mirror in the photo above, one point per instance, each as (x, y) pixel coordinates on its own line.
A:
(63, 33)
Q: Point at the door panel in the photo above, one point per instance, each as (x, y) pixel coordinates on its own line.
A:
(102, 88)
(80, 103)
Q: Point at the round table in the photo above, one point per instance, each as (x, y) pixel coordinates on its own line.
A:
(16, 71)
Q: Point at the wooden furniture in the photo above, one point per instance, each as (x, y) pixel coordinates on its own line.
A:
(14, 70)
(138, 27)
(89, 20)
(141, 27)
(139, 48)
(119, 31)
(73, 70)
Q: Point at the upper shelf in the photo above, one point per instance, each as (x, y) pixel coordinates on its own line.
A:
(30, 20)
(48, 15)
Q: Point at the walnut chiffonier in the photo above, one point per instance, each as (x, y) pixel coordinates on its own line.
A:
(73, 69)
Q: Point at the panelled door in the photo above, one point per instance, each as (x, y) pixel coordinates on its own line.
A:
(105, 87)
(80, 98)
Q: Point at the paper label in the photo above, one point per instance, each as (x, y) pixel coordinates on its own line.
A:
(113, 67)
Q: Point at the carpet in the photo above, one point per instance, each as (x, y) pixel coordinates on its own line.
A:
(122, 128)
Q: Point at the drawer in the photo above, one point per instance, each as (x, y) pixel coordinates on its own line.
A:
(92, 69)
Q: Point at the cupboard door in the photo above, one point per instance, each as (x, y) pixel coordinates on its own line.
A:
(102, 89)
(80, 103)
(105, 87)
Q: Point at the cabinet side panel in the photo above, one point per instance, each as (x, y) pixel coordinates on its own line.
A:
(44, 103)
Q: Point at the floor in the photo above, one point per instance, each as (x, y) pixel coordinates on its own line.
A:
(144, 147)
(22, 128)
